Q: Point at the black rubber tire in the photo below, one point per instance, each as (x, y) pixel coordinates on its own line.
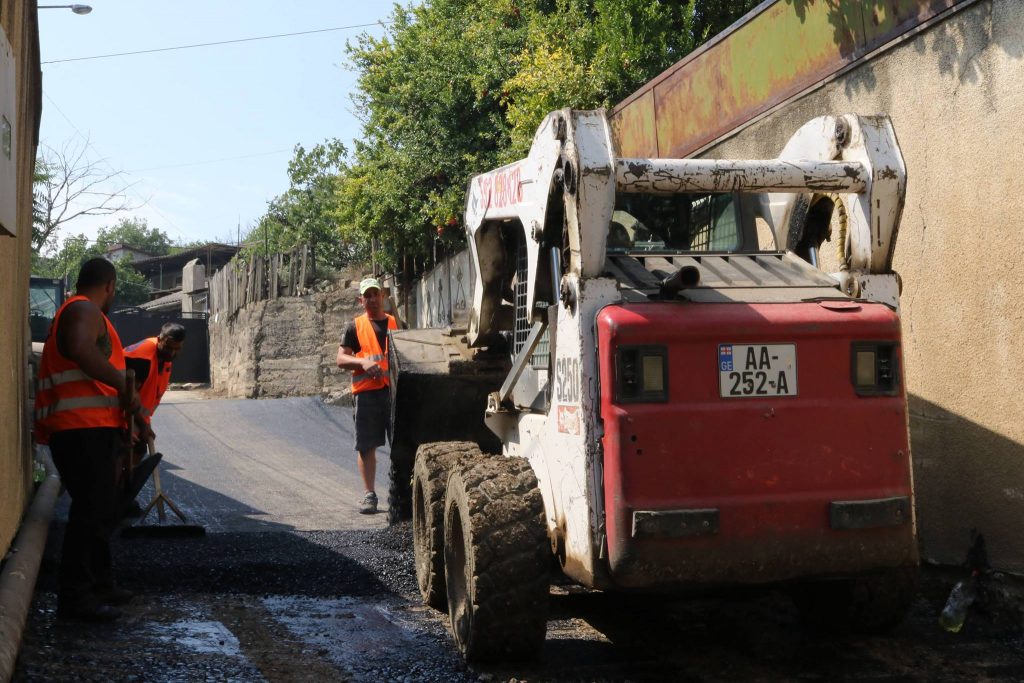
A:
(870, 604)
(434, 463)
(496, 560)
(400, 475)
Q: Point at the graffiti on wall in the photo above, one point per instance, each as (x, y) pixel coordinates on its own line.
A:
(442, 294)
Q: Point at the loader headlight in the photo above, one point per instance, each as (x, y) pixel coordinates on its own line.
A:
(875, 368)
(641, 374)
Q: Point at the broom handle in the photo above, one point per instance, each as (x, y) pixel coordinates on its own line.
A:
(129, 390)
(157, 489)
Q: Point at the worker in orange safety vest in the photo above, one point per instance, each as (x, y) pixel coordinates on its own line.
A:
(80, 408)
(151, 360)
(364, 351)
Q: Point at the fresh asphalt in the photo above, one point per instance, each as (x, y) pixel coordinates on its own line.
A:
(290, 583)
(241, 465)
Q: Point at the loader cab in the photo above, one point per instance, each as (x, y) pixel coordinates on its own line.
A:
(684, 223)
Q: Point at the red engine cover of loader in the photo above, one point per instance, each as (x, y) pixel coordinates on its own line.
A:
(772, 467)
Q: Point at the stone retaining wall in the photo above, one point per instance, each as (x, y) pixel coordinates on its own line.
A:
(285, 346)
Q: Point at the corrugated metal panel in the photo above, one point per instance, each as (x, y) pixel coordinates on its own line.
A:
(776, 52)
(720, 271)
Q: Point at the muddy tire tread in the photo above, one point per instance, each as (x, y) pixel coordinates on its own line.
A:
(508, 537)
(433, 465)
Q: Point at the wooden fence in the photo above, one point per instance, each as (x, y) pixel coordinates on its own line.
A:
(242, 282)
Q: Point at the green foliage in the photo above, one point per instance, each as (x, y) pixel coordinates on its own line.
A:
(135, 233)
(132, 287)
(305, 213)
(41, 174)
(458, 87)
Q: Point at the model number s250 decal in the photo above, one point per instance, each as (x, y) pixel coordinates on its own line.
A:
(567, 380)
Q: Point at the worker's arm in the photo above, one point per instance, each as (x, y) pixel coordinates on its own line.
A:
(145, 428)
(347, 360)
(81, 327)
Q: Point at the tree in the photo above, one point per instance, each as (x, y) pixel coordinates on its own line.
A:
(135, 232)
(68, 185)
(431, 90)
(132, 287)
(458, 87)
(305, 212)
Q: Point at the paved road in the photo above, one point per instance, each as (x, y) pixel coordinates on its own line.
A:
(291, 584)
(238, 465)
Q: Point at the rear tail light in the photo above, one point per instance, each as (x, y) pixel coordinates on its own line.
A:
(875, 368)
(641, 374)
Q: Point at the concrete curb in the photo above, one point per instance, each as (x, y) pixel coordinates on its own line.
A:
(18, 580)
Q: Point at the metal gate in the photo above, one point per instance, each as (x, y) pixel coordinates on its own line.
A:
(193, 362)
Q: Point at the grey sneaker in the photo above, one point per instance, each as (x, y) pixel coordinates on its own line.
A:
(369, 504)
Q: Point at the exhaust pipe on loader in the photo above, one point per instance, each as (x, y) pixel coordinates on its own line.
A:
(684, 278)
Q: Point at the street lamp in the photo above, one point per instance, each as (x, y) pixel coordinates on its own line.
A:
(77, 9)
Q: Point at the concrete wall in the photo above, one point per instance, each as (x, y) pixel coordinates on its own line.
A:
(443, 295)
(18, 21)
(285, 346)
(956, 96)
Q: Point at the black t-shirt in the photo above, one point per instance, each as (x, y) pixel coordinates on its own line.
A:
(351, 339)
(141, 368)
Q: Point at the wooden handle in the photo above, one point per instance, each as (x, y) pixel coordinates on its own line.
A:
(129, 391)
(129, 383)
(152, 446)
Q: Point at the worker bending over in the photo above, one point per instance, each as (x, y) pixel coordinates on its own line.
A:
(151, 360)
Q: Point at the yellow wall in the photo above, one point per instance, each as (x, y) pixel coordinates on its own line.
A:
(18, 21)
(956, 96)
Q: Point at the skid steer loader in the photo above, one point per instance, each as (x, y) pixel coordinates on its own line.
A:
(657, 388)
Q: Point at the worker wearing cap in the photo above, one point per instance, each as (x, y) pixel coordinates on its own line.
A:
(80, 412)
(151, 359)
(364, 351)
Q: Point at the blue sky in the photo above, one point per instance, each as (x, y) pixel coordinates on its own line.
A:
(145, 113)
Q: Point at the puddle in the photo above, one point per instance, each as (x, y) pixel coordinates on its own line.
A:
(201, 637)
(346, 626)
(366, 639)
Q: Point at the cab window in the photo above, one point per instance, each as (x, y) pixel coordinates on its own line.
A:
(675, 223)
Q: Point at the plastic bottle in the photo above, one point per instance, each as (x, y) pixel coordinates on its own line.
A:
(38, 473)
(960, 600)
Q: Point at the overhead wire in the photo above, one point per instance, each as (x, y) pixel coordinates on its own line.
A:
(217, 42)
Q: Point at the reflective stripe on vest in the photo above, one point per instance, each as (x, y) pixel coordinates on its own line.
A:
(62, 378)
(67, 398)
(76, 404)
(369, 348)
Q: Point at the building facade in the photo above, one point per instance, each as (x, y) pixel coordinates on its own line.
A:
(20, 108)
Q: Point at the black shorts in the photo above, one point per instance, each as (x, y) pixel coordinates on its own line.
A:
(373, 418)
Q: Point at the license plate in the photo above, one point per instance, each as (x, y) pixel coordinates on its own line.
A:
(753, 370)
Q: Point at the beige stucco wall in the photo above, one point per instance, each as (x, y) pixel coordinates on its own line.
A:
(14, 274)
(17, 19)
(956, 97)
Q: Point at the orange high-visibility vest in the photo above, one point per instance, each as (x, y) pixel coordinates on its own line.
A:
(153, 388)
(66, 397)
(370, 348)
